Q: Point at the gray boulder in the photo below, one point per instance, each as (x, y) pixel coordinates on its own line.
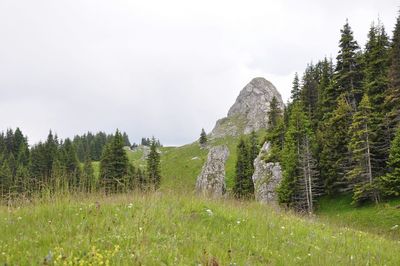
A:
(266, 177)
(249, 112)
(211, 181)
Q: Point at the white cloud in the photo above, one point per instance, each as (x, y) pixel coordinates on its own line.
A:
(163, 68)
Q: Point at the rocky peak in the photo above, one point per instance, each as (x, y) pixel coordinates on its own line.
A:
(249, 112)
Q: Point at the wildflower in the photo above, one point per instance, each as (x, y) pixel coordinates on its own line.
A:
(130, 205)
(209, 212)
(238, 221)
(282, 227)
(394, 227)
(19, 218)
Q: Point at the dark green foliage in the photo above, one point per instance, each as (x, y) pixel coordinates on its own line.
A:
(69, 163)
(275, 131)
(88, 180)
(390, 183)
(295, 93)
(243, 187)
(114, 164)
(299, 175)
(347, 79)
(153, 166)
(203, 138)
(335, 156)
(362, 174)
(375, 86)
(274, 113)
(392, 100)
(309, 92)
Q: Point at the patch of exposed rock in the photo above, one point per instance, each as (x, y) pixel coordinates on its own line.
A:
(266, 177)
(211, 181)
(249, 112)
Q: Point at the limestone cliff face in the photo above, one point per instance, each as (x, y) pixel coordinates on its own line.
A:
(249, 112)
(266, 177)
(211, 181)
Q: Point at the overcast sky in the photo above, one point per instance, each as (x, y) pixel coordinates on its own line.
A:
(162, 68)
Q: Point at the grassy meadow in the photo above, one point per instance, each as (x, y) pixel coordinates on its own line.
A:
(163, 228)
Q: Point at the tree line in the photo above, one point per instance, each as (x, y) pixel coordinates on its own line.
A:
(54, 165)
(340, 131)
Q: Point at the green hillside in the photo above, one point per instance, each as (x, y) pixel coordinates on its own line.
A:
(166, 229)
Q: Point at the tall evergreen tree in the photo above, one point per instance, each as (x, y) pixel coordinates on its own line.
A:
(70, 163)
(153, 165)
(299, 176)
(362, 174)
(274, 113)
(88, 182)
(392, 100)
(243, 187)
(203, 138)
(390, 183)
(375, 86)
(335, 156)
(348, 73)
(295, 93)
(114, 164)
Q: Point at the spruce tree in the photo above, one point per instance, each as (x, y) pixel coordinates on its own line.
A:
(70, 163)
(295, 93)
(153, 165)
(243, 185)
(361, 145)
(392, 100)
(203, 138)
(335, 156)
(390, 183)
(114, 164)
(274, 113)
(298, 186)
(348, 73)
(375, 85)
(88, 181)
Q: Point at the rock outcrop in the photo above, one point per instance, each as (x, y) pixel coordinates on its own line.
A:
(266, 177)
(249, 112)
(211, 181)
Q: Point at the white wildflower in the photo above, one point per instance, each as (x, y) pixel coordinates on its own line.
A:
(209, 212)
(394, 227)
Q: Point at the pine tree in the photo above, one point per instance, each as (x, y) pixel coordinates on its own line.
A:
(390, 183)
(88, 182)
(375, 85)
(203, 138)
(309, 92)
(327, 97)
(295, 93)
(392, 100)
(348, 73)
(335, 156)
(70, 163)
(298, 186)
(153, 165)
(114, 164)
(361, 145)
(243, 186)
(274, 113)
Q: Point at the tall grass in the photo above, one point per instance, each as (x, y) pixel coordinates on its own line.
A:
(163, 228)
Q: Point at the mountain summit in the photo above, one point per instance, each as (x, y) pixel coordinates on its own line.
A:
(249, 112)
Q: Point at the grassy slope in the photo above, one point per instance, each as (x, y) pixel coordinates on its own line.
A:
(180, 171)
(165, 229)
(380, 219)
